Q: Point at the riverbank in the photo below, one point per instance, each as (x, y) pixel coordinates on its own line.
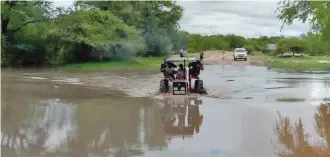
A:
(136, 63)
(260, 59)
(300, 63)
(210, 58)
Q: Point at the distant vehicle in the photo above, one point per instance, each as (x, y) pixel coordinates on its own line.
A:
(240, 53)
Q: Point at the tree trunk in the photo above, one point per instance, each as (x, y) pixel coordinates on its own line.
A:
(4, 24)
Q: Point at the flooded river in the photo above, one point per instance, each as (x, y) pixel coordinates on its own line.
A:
(249, 112)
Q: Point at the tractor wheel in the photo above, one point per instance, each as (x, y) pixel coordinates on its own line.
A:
(199, 88)
(164, 86)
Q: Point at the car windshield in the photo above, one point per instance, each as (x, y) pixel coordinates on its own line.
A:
(240, 51)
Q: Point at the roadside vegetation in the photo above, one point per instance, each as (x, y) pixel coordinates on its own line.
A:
(290, 99)
(35, 33)
(113, 34)
(300, 63)
(136, 63)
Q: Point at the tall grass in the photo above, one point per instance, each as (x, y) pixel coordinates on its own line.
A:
(310, 62)
(137, 63)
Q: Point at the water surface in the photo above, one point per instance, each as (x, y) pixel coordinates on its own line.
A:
(111, 114)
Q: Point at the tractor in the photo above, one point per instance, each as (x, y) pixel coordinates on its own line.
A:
(183, 86)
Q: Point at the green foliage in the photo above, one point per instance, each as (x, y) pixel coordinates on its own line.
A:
(315, 45)
(229, 42)
(290, 45)
(315, 12)
(157, 21)
(249, 47)
(311, 44)
(138, 63)
(21, 28)
(300, 63)
(90, 29)
(16, 14)
(179, 39)
(37, 33)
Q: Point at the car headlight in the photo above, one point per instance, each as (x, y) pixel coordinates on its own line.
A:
(175, 88)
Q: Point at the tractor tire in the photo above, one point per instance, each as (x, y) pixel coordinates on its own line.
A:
(164, 86)
(199, 88)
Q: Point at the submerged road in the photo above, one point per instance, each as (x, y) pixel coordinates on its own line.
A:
(246, 113)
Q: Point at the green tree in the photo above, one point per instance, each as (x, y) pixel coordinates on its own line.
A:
(22, 28)
(315, 45)
(17, 14)
(90, 29)
(249, 48)
(157, 20)
(235, 41)
(314, 12)
(290, 45)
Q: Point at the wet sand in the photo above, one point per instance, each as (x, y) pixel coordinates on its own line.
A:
(91, 114)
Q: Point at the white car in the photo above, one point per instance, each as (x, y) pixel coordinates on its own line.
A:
(240, 53)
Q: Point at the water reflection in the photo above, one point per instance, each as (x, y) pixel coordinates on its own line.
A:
(295, 142)
(181, 117)
(57, 128)
(38, 128)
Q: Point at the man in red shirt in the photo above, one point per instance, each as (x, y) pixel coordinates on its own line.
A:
(201, 55)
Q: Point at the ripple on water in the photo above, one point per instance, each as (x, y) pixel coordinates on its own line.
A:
(76, 81)
(36, 78)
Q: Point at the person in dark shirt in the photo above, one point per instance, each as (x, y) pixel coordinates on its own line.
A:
(195, 67)
(167, 69)
(181, 52)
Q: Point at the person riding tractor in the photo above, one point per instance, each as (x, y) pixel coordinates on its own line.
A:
(185, 81)
(181, 73)
(167, 68)
(194, 68)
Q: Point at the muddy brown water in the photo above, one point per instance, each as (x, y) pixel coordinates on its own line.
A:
(94, 114)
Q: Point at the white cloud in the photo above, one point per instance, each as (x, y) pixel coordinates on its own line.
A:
(63, 3)
(246, 18)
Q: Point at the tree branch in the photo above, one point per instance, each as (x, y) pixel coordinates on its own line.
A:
(19, 27)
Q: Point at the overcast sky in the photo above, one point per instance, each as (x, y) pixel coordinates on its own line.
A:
(245, 18)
